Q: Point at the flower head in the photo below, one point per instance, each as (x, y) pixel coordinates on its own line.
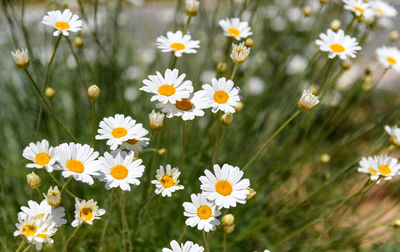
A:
(167, 181)
(191, 7)
(43, 210)
(307, 100)
(156, 120)
(86, 212)
(359, 8)
(239, 53)
(389, 57)
(366, 166)
(383, 9)
(189, 246)
(21, 58)
(394, 133)
(41, 154)
(379, 166)
(33, 180)
(63, 22)
(234, 28)
(53, 196)
(178, 43)
(338, 44)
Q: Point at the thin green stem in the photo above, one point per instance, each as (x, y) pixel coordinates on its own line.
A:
(64, 186)
(216, 145)
(183, 144)
(107, 221)
(186, 25)
(125, 220)
(71, 237)
(40, 193)
(182, 234)
(59, 184)
(350, 26)
(27, 248)
(168, 139)
(224, 243)
(21, 245)
(93, 103)
(205, 241)
(57, 124)
(234, 71)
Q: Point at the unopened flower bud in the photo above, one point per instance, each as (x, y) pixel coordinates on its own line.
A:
(249, 42)
(251, 193)
(393, 36)
(162, 151)
(325, 158)
(191, 7)
(307, 100)
(367, 82)
(228, 219)
(335, 25)
(396, 223)
(307, 11)
(78, 41)
(238, 107)
(94, 92)
(226, 119)
(222, 67)
(156, 120)
(346, 64)
(33, 180)
(239, 53)
(50, 93)
(323, 1)
(229, 229)
(53, 197)
(21, 58)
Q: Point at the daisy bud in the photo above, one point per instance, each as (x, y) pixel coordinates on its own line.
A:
(307, 11)
(239, 53)
(33, 180)
(50, 93)
(325, 158)
(229, 229)
(323, 1)
(21, 58)
(222, 67)
(226, 119)
(78, 41)
(251, 193)
(53, 197)
(156, 120)
(162, 151)
(327, 176)
(191, 7)
(394, 36)
(228, 219)
(307, 100)
(238, 107)
(94, 92)
(396, 223)
(249, 42)
(346, 64)
(367, 82)
(314, 89)
(335, 25)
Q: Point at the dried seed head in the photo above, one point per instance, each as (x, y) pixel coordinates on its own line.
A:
(53, 197)
(156, 120)
(251, 193)
(94, 92)
(50, 93)
(21, 58)
(228, 219)
(226, 119)
(78, 41)
(33, 180)
(191, 7)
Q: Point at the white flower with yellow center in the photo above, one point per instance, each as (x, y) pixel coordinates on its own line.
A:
(338, 44)
(189, 246)
(386, 166)
(170, 88)
(383, 9)
(86, 212)
(43, 210)
(119, 169)
(366, 166)
(119, 129)
(389, 57)
(394, 133)
(64, 22)
(234, 28)
(201, 213)
(36, 230)
(177, 43)
(167, 181)
(226, 186)
(188, 108)
(79, 161)
(42, 155)
(359, 8)
(220, 95)
(137, 143)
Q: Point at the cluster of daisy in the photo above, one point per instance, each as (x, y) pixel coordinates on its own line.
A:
(370, 10)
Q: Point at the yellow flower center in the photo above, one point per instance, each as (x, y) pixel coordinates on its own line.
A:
(166, 90)
(184, 105)
(337, 48)
(204, 212)
(177, 46)
(37, 215)
(359, 9)
(43, 236)
(42, 159)
(119, 132)
(391, 60)
(223, 187)
(167, 181)
(380, 11)
(132, 141)
(233, 31)
(75, 166)
(119, 172)
(62, 25)
(373, 172)
(221, 97)
(384, 169)
(29, 230)
(86, 213)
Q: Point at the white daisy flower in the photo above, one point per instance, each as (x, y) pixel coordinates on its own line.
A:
(86, 212)
(63, 22)
(43, 210)
(36, 230)
(366, 166)
(226, 186)
(170, 88)
(389, 57)
(188, 108)
(119, 129)
(167, 181)
(338, 44)
(42, 155)
(394, 133)
(234, 28)
(119, 169)
(177, 43)
(78, 161)
(386, 166)
(383, 9)
(220, 95)
(201, 213)
(359, 8)
(189, 246)
(135, 145)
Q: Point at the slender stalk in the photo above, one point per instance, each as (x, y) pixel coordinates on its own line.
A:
(125, 220)
(168, 139)
(253, 158)
(93, 122)
(40, 194)
(57, 124)
(59, 184)
(71, 237)
(350, 26)
(186, 25)
(183, 144)
(174, 61)
(107, 221)
(27, 248)
(182, 234)
(215, 155)
(234, 71)
(205, 242)
(65, 184)
(21, 245)
(224, 242)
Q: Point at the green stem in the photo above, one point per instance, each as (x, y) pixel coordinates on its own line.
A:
(224, 242)
(186, 25)
(59, 184)
(174, 61)
(183, 144)
(40, 193)
(93, 122)
(57, 124)
(234, 71)
(350, 26)
(205, 241)
(182, 234)
(216, 145)
(27, 248)
(107, 220)
(71, 237)
(65, 184)
(168, 139)
(253, 158)
(21, 245)
(125, 220)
